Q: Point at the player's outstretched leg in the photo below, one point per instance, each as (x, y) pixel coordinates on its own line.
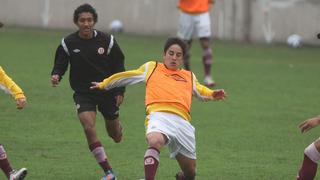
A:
(309, 166)
(19, 174)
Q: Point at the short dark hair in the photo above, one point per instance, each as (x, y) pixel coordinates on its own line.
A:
(84, 8)
(174, 40)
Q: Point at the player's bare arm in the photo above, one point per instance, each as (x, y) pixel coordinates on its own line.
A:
(309, 124)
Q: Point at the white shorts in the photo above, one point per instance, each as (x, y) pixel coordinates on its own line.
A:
(191, 23)
(180, 133)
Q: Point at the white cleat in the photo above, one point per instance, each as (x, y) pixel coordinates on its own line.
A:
(18, 174)
(208, 81)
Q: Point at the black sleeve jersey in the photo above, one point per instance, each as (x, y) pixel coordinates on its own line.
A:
(91, 60)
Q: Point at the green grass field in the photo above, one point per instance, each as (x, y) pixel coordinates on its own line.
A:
(253, 135)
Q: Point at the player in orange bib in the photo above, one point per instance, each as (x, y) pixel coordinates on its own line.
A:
(9, 86)
(195, 20)
(169, 91)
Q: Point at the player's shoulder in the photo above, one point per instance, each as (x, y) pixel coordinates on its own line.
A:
(151, 63)
(70, 37)
(102, 35)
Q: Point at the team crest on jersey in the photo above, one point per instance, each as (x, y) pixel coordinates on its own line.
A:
(176, 77)
(101, 50)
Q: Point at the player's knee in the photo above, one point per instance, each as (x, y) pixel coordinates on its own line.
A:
(156, 143)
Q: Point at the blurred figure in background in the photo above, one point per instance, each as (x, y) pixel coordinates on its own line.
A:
(9, 86)
(309, 165)
(195, 18)
(93, 56)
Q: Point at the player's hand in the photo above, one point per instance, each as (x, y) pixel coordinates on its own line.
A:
(55, 80)
(21, 103)
(211, 1)
(219, 94)
(119, 100)
(309, 124)
(95, 85)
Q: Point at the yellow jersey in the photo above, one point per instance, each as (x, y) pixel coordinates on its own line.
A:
(9, 86)
(178, 103)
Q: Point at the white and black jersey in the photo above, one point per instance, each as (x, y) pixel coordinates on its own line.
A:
(91, 60)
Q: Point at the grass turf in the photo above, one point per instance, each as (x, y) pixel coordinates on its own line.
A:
(251, 135)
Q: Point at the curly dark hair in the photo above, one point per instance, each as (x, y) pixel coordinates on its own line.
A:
(174, 40)
(85, 8)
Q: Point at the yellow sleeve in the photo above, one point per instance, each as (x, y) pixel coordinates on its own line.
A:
(128, 77)
(200, 91)
(9, 86)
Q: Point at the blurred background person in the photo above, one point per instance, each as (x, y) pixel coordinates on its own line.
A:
(195, 19)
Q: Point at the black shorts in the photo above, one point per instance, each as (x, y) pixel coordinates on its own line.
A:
(105, 102)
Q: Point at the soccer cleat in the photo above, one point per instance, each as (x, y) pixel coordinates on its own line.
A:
(208, 81)
(109, 176)
(18, 174)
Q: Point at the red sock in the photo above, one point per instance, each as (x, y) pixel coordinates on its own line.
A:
(98, 152)
(151, 161)
(4, 162)
(308, 169)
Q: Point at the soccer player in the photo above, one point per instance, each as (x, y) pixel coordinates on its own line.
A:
(169, 91)
(195, 18)
(9, 86)
(309, 166)
(92, 55)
